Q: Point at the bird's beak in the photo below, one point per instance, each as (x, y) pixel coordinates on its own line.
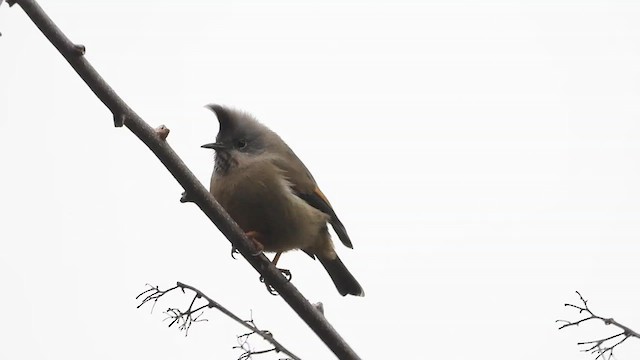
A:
(214, 146)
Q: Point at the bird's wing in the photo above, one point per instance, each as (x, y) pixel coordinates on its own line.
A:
(305, 187)
(317, 199)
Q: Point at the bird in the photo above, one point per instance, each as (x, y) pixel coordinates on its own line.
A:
(269, 192)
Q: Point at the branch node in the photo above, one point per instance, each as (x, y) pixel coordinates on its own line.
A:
(320, 307)
(11, 2)
(162, 132)
(118, 120)
(79, 49)
(185, 198)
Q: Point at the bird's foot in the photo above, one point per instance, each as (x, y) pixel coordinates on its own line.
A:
(255, 237)
(285, 272)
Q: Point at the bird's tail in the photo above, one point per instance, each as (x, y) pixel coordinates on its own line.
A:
(342, 278)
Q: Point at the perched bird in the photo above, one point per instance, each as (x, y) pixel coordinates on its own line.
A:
(272, 196)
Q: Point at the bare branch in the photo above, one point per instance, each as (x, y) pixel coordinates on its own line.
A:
(153, 294)
(124, 115)
(184, 319)
(245, 346)
(599, 347)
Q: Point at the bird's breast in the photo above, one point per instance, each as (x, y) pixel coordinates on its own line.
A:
(259, 199)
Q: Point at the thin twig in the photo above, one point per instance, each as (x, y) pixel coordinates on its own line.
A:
(124, 115)
(598, 346)
(188, 317)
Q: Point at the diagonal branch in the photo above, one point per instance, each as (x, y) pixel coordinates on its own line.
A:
(195, 191)
(185, 319)
(598, 346)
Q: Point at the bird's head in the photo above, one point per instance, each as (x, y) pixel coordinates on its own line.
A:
(240, 137)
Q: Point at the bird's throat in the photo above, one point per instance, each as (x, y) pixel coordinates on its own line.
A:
(223, 162)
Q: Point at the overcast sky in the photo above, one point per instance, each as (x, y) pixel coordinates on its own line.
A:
(484, 157)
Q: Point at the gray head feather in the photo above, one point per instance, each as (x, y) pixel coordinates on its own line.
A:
(242, 133)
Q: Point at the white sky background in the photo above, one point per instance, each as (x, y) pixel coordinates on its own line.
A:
(485, 158)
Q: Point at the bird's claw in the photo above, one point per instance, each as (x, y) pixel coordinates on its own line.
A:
(285, 272)
(234, 251)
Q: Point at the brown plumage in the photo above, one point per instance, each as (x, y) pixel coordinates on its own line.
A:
(269, 192)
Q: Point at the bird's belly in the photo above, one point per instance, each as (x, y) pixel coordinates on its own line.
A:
(282, 221)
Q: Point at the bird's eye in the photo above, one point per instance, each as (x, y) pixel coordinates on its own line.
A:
(241, 144)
